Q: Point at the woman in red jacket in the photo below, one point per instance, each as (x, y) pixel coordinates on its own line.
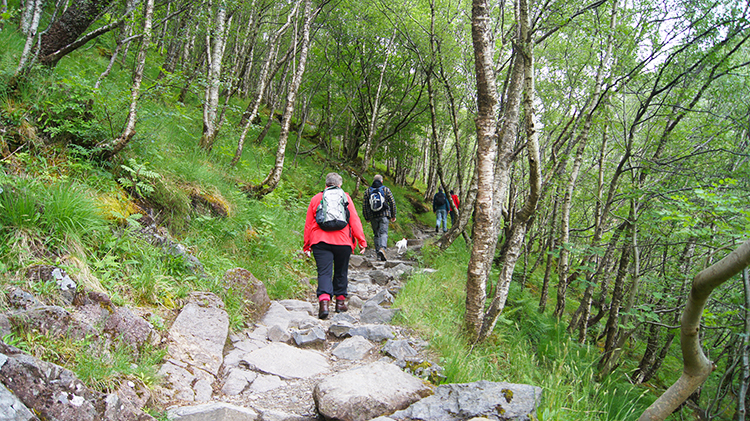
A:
(332, 249)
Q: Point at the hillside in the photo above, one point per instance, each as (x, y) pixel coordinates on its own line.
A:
(182, 142)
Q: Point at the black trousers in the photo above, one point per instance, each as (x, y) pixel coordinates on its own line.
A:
(333, 268)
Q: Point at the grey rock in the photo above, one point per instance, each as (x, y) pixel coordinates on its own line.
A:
(51, 321)
(359, 262)
(361, 394)
(287, 361)
(12, 409)
(237, 381)
(125, 325)
(259, 333)
(461, 401)
(253, 291)
(354, 348)
(398, 349)
(49, 390)
(264, 383)
(340, 329)
(297, 305)
(5, 326)
(309, 337)
(126, 404)
(355, 302)
(373, 313)
(21, 299)
(203, 390)
(383, 296)
(344, 317)
(198, 334)
(380, 277)
(212, 412)
(375, 333)
(277, 334)
(179, 380)
(278, 315)
(271, 415)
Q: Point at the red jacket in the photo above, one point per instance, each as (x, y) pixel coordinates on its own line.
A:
(351, 235)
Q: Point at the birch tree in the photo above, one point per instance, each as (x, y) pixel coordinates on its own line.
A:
(271, 181)
(216, 39)
(111, 148)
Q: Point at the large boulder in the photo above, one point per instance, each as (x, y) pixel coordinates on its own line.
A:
(362, 394)
(49, 390)
(12, 409)
(490, 400)
(252, 290)
(198, 334)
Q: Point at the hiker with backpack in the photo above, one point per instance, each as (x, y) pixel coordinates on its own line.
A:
(379, 208)
(454, 208)
(333, 231)
(441, 207)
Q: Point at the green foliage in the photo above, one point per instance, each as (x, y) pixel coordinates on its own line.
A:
(138, 178)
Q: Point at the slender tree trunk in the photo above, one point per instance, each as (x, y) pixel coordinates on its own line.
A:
(697, 367)
(544, 295)
(272, 180)
(31, 32)
(216, 39)
(263, 80)
(110, 149)
(486, 124)
(745, 376)
(519, 222)
(376, 110)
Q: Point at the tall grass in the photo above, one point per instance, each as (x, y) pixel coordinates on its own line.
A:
(526, 347)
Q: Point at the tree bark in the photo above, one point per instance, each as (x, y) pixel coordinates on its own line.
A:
(519, 225)
(697, 366)
(68, 28)
(272, 180)
(110, 149)
(216, 39)
(486, 123)
(263, 80)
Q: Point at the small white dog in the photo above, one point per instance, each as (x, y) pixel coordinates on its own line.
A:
(401, 245)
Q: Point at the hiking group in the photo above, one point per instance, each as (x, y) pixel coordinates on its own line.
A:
(333, 231)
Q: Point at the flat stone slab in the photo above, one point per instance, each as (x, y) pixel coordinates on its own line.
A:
(367, 392)
(198, 334)
(212, 412)
(287, 361)
(485, 399)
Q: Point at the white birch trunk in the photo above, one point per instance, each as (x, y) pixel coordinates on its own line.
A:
(263, 81)
(112, 148)
(486, 123)
(272, 180)
(211, 98)
(30, 29)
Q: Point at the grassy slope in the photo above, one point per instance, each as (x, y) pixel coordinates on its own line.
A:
(262, 236)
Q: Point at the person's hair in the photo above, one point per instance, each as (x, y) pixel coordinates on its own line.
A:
(440, 189)
(378, 177)
(451, 191)
(334, 179)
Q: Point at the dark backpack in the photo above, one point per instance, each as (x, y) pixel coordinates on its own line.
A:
(440, 199)
(377, 199)
(333, 211)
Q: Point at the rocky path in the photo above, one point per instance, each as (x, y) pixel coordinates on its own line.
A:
(289, 366)
(355, 365)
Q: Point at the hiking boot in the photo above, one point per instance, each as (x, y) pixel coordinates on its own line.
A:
(437, 230)
(323, 312)
(381, 255)
(341, 304)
